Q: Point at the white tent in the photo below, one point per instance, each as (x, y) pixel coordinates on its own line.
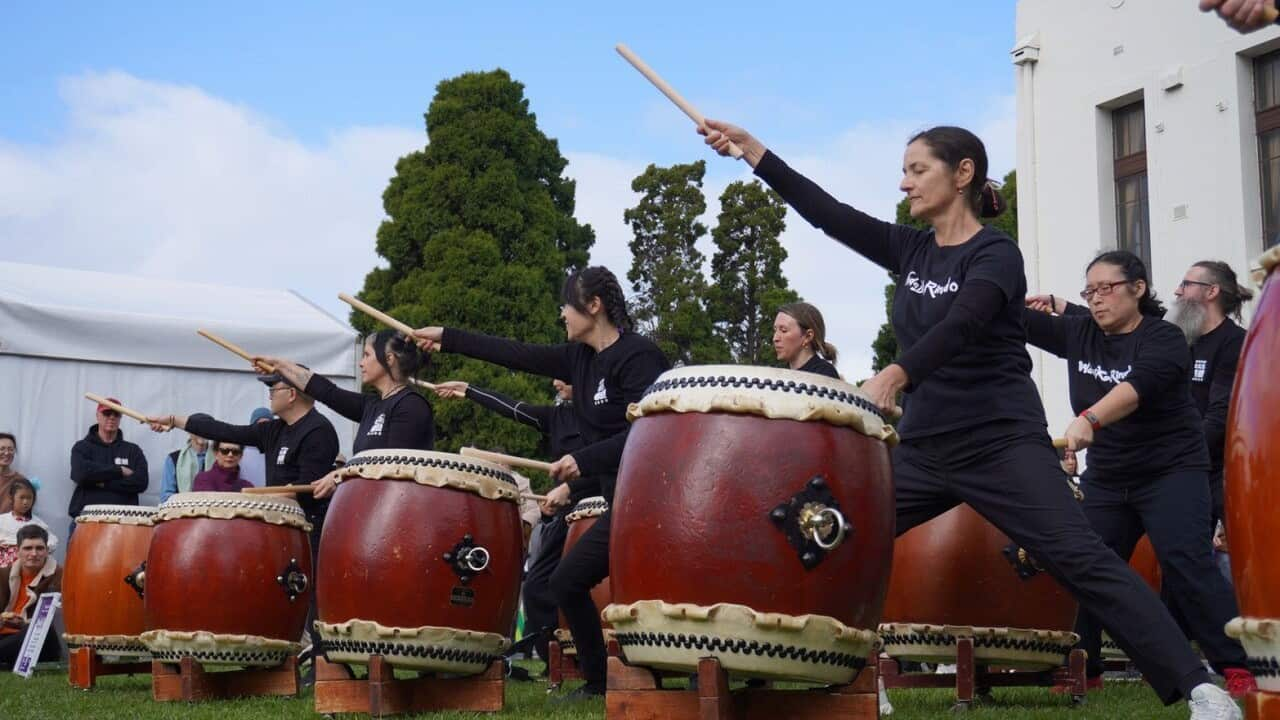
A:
(67, 332)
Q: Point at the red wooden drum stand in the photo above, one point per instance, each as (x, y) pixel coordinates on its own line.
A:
(752, 523)
(1253, 493)
(419, 570)
(227, 584)
(562, 657)
(103, 611)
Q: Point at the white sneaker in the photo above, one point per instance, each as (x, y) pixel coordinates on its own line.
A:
(886, 707)
(1210, 702)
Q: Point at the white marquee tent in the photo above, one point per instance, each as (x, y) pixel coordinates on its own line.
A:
(67, 332)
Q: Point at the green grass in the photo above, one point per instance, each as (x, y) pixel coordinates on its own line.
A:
(48, 695)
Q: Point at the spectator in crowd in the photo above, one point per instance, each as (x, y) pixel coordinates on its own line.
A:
(182, 466)
(36, 572)
(224, 476)
(22, 498)
(106, 468)
(253, 464)
(8, 450)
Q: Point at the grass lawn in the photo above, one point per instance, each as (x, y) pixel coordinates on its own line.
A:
(47, 695)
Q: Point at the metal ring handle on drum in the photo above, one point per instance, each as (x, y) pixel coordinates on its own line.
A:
(832, 517)
(476, 559)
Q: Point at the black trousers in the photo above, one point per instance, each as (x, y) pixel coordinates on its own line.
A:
(11, 645)
(540, 608)
(1009, 473)
(1173, 509)
(586, 564)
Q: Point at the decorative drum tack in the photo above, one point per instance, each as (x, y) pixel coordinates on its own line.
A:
(753, 521)
(228, 579)
(958, 576)
(580, 520)
(1253, 488)
(420, 562)
(101, 597)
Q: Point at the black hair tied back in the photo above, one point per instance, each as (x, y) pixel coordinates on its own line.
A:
(409, 358)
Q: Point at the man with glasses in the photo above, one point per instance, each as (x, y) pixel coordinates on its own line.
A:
(106, 468)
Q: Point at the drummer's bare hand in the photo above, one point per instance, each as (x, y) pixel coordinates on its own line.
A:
(1242, 15)
(325, 486)
(556, 499)
(1079, 434)
(1047, 303)
(883, 389)
(565, 469)
(160, 424)
(429, 339)
(451, 389)
(720, 134)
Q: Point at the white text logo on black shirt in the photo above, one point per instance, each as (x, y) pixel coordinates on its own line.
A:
(122, 461)
(1102, 374)
(376, 428)
(602, 395)
(930, 288)
(284, 450)
(1198, 372)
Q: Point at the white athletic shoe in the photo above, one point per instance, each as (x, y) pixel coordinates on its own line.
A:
(1210, 702)
(886, 707)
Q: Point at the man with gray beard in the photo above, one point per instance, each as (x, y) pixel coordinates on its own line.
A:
(1206, 299)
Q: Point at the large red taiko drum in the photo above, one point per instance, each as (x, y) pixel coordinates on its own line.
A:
(957, 575)
(228, 579)
(101, 597)
(752, 521)
(420, 562)
(1253, 489)
(581, 519)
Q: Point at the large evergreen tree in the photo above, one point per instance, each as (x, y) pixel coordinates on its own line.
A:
(479, 233)
(666, 265)
(746, 271)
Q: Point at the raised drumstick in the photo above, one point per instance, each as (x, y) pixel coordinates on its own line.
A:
(670, 92)
(234, 349)
(117, 407)
(508, 460)
(376, 314)
(423, 383)
(279, 490)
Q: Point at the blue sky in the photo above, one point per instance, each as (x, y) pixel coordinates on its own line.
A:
(328, 94)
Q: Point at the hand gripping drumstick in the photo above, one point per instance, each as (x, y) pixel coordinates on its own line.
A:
(234, 349)
(734, 151)
(376, 314)
(117, 407)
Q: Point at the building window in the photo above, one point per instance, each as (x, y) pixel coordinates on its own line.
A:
(1133, 214)
(1266, 106)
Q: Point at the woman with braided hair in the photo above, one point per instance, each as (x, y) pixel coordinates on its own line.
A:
(609, 367)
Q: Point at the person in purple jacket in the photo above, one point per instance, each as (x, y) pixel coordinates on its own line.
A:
(224, 476)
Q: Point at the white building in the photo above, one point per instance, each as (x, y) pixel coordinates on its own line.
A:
(1143, 125)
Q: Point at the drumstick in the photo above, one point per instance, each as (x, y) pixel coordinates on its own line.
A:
(508, 460)
(376, 314)
(533, 496)
(235, 349)
(423, 383)
(734, 151)
(1270, 14)
(1060, 443)
(117, 407)
(279, 490)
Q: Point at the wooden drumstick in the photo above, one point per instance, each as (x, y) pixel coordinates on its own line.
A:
(508, 460)
(532, 496)
(279, 490)
(1060, 443)
(117, 407)
(235, 350)
(734, 151)
(1270, 14)
(376, 314)
(423, 383)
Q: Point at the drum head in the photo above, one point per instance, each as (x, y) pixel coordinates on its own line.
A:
(274, 509)
(435, 469)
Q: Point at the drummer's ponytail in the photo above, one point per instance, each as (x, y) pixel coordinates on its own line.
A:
(597, 281)
(1232, 293)
(409, 359)
(809, 318)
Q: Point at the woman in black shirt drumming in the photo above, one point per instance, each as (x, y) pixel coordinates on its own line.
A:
(393, 417)
(973, 428)
(609, 367)
(1129, 374)
(800, 340)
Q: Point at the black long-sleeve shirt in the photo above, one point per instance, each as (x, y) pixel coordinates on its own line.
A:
(96, 469)
(402, 420)
(604, 384)
(957, 311)
(1214, 358)
(821, 366)
(557, 424)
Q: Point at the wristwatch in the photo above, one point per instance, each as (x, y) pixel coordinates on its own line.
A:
(1094, 422)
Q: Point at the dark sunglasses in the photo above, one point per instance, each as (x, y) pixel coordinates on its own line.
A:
(110, 414)
(230, 451)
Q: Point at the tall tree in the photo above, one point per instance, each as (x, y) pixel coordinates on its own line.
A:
(746, 270)
(666, 265)
(479, 233)
(885, 347)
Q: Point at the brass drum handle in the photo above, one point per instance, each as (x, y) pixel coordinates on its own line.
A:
(476, 559)
(815, 522)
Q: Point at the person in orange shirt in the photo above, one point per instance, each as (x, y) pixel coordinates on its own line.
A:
(21, 584)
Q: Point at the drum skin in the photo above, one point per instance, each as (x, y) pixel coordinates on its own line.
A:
(1252, 464)
(691, 517)
(602, 593)
(381, 557)
(219, 576)
(952, 571)
(96, 601)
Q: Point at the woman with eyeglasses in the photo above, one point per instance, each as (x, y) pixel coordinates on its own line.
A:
(224, 475)
(1147, 469)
